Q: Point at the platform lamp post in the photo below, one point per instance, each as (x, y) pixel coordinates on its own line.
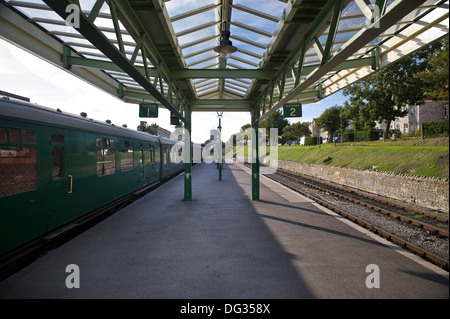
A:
(219, 115)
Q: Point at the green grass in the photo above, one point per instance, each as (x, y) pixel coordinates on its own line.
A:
(414, 157)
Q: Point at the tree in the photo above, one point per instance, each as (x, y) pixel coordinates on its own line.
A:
(275, 120)
(330, 120)
(358, 114)
(384, 95)
(152, 128)
(243, 129)
(435, 77)
(295, 131)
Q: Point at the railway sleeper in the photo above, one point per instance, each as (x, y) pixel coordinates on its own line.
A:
(400, 242)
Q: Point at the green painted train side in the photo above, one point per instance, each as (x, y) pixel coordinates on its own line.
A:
(83, 186)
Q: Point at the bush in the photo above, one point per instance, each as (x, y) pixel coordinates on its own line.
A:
(311, 141)
(368, 135)
(327, 159)
(348, 136)
(436, 129)
(395, 133)
(412, 134)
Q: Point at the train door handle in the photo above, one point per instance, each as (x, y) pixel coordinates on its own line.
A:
(70, 185)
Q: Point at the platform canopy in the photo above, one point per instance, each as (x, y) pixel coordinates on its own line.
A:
(163, 51)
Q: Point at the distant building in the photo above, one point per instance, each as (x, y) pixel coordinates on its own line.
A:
(417, 115)
(316, 130)
(167, 134)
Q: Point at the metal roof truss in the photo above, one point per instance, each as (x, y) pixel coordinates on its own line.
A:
(295, 50)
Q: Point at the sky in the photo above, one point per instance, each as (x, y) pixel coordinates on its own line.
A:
(45, 84)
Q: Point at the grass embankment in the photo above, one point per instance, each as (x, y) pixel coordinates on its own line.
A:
(429, 157)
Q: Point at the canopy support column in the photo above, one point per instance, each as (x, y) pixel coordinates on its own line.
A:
(254, 154)
(188, 155)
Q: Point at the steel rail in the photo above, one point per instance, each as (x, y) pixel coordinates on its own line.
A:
(444, 264)
(412, 221)
(387, 202)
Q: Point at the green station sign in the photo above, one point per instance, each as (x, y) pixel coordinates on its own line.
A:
(292, 110)
(148, 110)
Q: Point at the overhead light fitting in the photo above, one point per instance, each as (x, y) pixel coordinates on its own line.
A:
(225, 48)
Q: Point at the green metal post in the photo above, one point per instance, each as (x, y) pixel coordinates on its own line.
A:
(220, 149)
(254, 156)
(188, 157)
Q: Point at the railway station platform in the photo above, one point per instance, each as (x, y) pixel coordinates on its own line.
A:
(222, 245)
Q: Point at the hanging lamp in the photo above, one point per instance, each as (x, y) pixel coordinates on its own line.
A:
(225, 48)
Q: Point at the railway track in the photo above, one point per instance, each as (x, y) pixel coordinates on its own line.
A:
(434, 225)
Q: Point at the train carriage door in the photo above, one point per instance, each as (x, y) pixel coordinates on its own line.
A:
(157, 156)
(141, 163)
(166, 161)
(57, 161)
(153, 163)
(147, 163)
(60, 181)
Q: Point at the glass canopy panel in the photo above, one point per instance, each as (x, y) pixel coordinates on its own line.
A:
(255, 26)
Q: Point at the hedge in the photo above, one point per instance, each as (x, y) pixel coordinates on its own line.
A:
(310, 141)
(436, 129)
(369, 135)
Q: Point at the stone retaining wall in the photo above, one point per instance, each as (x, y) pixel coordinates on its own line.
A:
(427, 192)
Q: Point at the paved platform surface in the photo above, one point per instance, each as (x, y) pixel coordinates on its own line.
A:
(224, 246)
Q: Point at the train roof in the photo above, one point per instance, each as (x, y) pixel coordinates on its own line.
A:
(33, 112)
(168, 141)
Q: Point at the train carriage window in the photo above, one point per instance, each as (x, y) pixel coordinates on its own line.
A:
(57, 138)
(126, 156)
(14, 135)
(137, 158)
(58, 163)
(148, 156)
(3, 137)
(18, 165)
(106, 156)
(157, 154)
(152, 154)
(18, 169)
(166, 155)
(28, 136)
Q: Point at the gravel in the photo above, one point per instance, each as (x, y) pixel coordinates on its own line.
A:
(435, 244)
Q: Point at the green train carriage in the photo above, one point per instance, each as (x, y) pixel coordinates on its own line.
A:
(57, 167)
